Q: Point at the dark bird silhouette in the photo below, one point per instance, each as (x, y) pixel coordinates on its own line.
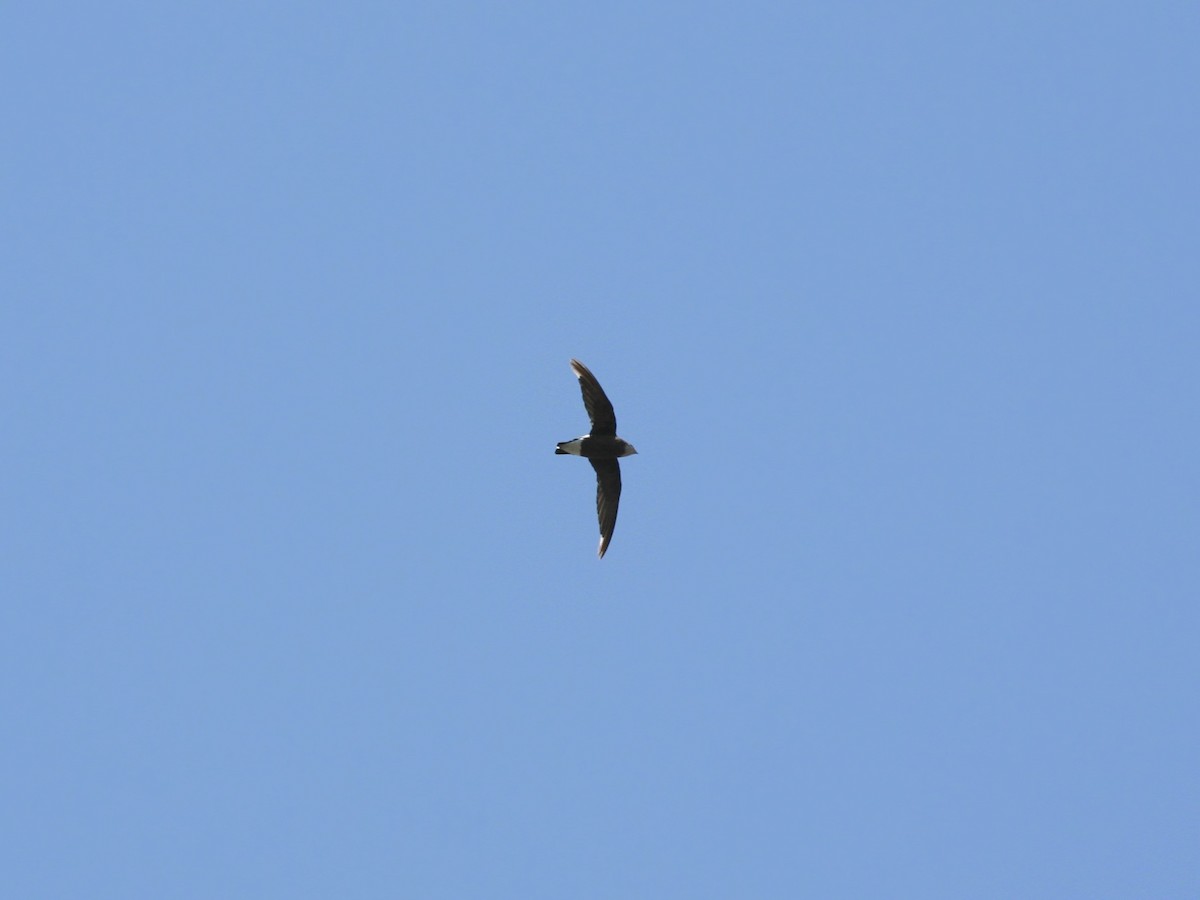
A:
(602, 448)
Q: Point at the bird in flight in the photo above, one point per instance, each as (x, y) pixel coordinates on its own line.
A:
(602, 448)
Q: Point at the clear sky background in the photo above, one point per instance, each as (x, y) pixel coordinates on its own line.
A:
(900, 303)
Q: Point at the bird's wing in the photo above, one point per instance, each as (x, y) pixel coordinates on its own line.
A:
(599, 410)
(608, 495)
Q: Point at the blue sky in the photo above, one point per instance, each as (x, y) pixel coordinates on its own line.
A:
(897, 301)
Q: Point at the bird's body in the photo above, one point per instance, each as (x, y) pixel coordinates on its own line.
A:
(602, 448)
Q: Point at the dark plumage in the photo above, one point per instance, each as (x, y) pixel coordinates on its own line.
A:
(602, 448)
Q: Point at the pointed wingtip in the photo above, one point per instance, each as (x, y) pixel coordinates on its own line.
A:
(603, 547)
